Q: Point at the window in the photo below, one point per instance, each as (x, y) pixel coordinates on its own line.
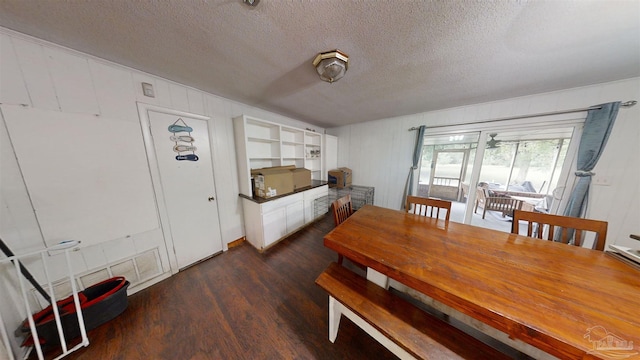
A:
(525, 161)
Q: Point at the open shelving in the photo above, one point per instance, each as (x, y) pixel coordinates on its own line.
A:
(261, 143)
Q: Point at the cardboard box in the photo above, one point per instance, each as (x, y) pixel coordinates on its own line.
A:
(340, 177)
(301, 178)
(270, 182)
(271, 169)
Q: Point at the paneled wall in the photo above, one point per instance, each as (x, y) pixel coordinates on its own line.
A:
(379, 152)
(41, 75)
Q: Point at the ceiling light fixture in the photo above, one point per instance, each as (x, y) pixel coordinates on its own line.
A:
(331, 65)
(251, 2)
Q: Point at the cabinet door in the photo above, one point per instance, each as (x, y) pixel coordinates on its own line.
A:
(308, 208)
(295, 216)
(275, 225)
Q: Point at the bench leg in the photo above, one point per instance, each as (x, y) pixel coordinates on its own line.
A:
(336, 309)
(335, 314)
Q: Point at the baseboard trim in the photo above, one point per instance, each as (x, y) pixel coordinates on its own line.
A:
(237, 242)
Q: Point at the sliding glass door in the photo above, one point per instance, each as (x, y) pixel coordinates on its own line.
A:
(526, 161)
(526, 165)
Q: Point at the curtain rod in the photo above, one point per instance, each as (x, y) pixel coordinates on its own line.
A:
(624, 104)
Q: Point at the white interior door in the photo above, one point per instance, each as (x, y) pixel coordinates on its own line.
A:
(187, 187)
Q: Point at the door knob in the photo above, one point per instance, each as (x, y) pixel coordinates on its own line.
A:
(211, 198)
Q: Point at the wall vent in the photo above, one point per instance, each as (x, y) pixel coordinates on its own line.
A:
(137, 269)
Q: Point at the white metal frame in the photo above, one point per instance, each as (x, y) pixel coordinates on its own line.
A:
(63, 246)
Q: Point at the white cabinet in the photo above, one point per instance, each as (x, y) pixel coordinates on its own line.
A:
(261, 143)
(274, 227)
(295, 216)
(267, 222)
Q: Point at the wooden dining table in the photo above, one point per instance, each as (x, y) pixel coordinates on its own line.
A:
(571, 302)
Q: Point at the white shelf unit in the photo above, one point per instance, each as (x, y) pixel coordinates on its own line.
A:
(313, 154)
(292, 146)
(261, 143)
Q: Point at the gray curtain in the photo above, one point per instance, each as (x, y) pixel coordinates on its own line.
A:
(597, 128)
(417, 153)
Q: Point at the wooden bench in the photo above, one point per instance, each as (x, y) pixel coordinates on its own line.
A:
(404, 329)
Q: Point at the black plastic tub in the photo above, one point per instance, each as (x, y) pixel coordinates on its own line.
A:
(99, 303)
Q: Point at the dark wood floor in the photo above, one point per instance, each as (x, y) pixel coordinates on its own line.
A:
(238, 305)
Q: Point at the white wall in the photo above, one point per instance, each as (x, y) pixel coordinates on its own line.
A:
(379, 152)
(38, 74)
(46, 76)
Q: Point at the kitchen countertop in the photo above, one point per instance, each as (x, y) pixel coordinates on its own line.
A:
(259, 200)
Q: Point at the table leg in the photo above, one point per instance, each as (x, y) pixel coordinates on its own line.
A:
(377, 278)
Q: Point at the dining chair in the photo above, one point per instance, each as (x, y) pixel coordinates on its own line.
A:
(537, 221)
(342, 209)
(428, 206)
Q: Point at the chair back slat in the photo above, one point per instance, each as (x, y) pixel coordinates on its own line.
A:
(428, 207)
(536, 223)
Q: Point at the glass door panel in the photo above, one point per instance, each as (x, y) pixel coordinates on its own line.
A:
(447, 174)
(522, 167)
(524, 164)
(525, 161)
(445, 169)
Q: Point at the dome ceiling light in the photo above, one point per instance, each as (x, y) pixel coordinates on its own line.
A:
(331, 65)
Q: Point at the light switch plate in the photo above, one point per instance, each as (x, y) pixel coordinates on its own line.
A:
(602, 180)
(147, 90)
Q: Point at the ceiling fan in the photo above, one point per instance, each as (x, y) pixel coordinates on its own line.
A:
(493, 143)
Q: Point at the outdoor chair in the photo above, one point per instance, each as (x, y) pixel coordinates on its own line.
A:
(504, 204)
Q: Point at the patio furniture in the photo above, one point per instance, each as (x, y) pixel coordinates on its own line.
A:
(488, 201)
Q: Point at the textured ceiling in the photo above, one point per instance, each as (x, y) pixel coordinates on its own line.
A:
(406, 56)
